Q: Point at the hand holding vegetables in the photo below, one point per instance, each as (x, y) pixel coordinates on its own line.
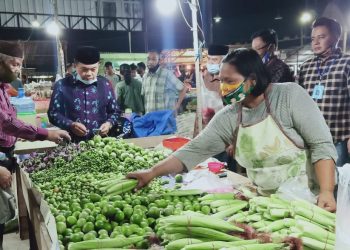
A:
(105, 127)
(143, 177)
(78, 129)
(171, 165)
(58, 136)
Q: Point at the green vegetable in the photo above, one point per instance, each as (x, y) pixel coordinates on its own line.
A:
(314, 216)
(315, 232)
(316, 245)
(201, 232)
(220, 203)
(201, 221)
(181, 243)
(185, 192)
(230, 211)
(122, 187)
(178, 178)
(222, 196)
(213, 245)
(107, 243)
(312, 207)
(278, 225)
(266, 246)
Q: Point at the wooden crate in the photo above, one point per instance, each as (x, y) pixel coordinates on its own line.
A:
(34, 209)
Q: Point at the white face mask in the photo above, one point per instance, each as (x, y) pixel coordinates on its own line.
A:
(87, 82)
(213, 68)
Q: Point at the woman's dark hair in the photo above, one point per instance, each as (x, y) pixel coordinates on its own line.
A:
(249, 64)
(126, 72)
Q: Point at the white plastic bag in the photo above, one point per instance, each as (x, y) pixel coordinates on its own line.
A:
(296, 188)
(342, 240)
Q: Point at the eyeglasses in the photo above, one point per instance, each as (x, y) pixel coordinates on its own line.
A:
(263, 47)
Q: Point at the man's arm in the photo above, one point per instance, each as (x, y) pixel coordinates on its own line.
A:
(56, 112)
(181, 87)
(182, 96)
(14, 127)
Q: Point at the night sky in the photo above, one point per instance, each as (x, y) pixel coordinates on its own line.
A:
(240, 18)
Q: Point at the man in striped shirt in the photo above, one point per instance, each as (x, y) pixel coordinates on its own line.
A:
(326, 77)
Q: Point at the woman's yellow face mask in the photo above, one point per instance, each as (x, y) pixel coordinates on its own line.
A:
(232, 85)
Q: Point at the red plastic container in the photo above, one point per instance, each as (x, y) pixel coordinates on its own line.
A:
(175, 143)
(215, 167)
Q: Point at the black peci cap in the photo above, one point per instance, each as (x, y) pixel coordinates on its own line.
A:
(87, 55)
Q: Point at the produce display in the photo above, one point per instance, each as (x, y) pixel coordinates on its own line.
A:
(95, 207)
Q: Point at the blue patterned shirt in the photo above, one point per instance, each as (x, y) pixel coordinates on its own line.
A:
(91, 105)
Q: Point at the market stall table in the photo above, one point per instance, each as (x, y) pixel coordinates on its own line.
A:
(35, 218)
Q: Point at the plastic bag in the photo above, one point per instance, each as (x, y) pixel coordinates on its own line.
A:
(7, 205)
(342, 240)
(154, 123)
(296, 188)
(199, 179)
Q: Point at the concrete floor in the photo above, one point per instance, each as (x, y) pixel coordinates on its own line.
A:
(13, 242)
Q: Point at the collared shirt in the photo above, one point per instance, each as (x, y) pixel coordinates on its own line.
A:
(160, 90)
(335, 103)
(114, 79)
(10, 127)
(129, 96)
(91, 105)
(279, 70)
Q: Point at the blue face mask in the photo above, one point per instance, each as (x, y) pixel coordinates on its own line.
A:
(213, 69)
(87, 82)
(266, 57)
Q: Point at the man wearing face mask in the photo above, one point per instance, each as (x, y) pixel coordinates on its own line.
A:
(11, 58)
(161, 90)
(84, 104)
(210, 91)
(326, 77)
(265, 43)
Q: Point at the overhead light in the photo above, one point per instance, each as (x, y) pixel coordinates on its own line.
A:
(166, 7)
(53, 29)
(305, 17)
(278, 17)
(35, 24)
(217, 19)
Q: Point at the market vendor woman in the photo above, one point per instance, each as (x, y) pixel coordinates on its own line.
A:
(277, 130)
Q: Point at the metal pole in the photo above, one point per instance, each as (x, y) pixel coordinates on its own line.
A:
(345, 40)
(129, 33)
(301, 36)
(145, 18)
(193, 6)
(60, 56)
